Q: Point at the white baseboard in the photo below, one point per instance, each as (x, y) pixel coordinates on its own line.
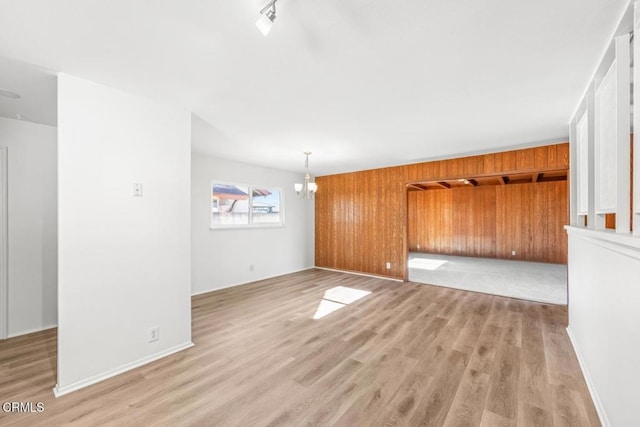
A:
(31, 331)
(60, 391)
(360, 274)
(257, 279)
(590, 385)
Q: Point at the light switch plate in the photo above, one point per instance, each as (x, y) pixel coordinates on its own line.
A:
(137, 189)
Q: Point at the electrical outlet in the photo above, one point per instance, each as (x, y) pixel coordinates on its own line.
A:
(418, 246)
(154, 333)
(513, 253)
(250, 267)
(388, 266)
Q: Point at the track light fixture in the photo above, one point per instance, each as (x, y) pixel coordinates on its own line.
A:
(268, 13)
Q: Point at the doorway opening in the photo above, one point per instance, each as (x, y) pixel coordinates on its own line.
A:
(497, 234)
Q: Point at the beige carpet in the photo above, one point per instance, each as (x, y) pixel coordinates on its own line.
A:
(531, 281)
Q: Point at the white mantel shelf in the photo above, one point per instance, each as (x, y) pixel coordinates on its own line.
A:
(626, 244)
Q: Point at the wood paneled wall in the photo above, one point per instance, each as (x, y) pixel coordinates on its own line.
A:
(361, 217)
(491, 221)
(360, 221)
(459, 221)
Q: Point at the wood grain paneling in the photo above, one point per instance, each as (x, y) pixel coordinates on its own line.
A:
(361, 217)
(531, 220)
(610, 221)
(457, 222)
(491, 221)
(360, 214)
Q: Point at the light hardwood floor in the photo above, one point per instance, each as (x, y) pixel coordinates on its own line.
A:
(406, 354)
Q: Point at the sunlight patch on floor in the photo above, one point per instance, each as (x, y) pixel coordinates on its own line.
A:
(426, 263)
(336, 298)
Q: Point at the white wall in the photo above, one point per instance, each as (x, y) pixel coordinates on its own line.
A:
(33, 263)
(221, 258)
(604, 317)
(124, 262)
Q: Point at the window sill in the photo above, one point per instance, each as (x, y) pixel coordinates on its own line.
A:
(244, 227)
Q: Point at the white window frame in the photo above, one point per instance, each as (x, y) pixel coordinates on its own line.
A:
(250, 224)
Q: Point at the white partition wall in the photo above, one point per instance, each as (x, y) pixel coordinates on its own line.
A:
(604, 262)
(604, 319)
(124, 256)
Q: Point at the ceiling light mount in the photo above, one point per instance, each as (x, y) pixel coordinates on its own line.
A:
(268, 13)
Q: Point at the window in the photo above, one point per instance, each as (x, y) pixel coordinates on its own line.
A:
(241, 205)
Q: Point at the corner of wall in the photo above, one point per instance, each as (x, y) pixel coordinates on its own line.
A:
(590, 385)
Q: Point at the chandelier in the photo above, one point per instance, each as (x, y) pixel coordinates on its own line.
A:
(307, 189)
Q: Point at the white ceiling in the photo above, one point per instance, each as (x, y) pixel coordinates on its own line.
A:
(37, 88)
(361, 83)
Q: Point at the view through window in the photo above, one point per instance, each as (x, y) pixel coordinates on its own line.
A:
(238, 205)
